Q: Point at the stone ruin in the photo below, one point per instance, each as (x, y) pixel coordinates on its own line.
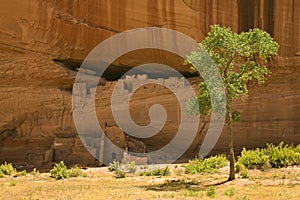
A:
(132, 82)
(123, 90)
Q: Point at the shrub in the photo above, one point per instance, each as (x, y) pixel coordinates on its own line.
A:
(272, 156)
(239, 167)
(230, 192)
(1, 174)
(297, 148)
(35, 172)
(75, 172)
(210, 164)
(282, 155)
(211, 192)
(7, 169)
(253, 159)
(12, 184)
(113, 166)
(60, 171)
(244, 173)
(193, 193)
(131, 167)
(119, 173)
(145, 167)
(21, 173)
(157, 172)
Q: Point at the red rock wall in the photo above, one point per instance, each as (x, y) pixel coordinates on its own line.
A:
(35, 98)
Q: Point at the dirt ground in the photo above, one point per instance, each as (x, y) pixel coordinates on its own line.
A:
(99, 183)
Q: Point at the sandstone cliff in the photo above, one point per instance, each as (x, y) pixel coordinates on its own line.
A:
(42, 42)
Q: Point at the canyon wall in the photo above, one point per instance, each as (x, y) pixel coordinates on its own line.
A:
(42, 42)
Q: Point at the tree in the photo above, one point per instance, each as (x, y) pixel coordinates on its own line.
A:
(239, 59)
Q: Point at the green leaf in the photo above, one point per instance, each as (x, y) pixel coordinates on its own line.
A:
(240, 58)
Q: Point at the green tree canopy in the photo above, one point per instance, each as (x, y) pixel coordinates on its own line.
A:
(239, 58)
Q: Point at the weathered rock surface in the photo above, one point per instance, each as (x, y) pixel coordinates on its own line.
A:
(42, 42)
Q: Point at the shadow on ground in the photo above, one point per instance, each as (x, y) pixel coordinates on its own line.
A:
(176, 185)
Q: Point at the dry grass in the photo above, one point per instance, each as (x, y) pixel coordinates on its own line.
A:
(100, 184)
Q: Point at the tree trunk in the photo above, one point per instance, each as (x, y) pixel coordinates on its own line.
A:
(200, 137)
(230, 142)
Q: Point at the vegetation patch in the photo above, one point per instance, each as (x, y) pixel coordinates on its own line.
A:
(209, 165)
(119, 173)
(131, 167)
(7, 169)
(156, 172)
(211, 192)
(230, 192)
(193, 193)
(60, 171)
(270, 157)
(113, 166)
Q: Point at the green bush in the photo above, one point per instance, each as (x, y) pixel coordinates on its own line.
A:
(211, 192)
(157, 172)
(210, 164)
(297, 148)
(244, 173)
(1, 174)
(283, 155)
(60, 171)
(253, 159)
(230, 192)
(193, 193)
(114, 166)
(12, 184)
(119, 173)
(21, 173)
(272, 156)
(239, 167)
(75, 172)
(145, 167)
(7, 169)
(131, 167)
(35, 172)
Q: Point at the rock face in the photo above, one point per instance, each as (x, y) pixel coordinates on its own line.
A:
(42, 42)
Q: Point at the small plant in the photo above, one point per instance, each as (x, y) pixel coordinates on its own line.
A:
(21, 173)
(239, 167)
(193, 193)
(35, 172)
(145, 167)
(297, 148)
(131, 167)
(244, 173)
(282, 155)
(60, 171)
(157, 172)
(7, 169)
(119, 173)
(209, 165)
(253, 159)
(211, 192)
(12, 184)
(75, 172)
(230, 192)
(272, 156)
(113, 166)
(1, 174)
